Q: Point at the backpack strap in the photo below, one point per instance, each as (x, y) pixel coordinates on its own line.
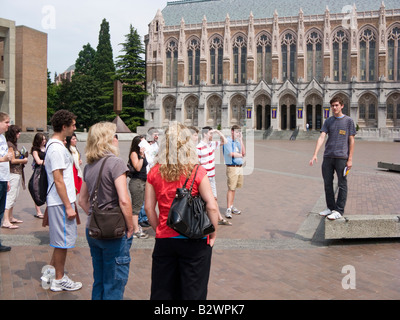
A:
(44, 159)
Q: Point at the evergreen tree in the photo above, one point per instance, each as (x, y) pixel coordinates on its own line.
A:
(85, 90)
(104, 71)
(131, 71)
(85, 62)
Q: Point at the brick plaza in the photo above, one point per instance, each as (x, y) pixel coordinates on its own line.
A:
(262, 256)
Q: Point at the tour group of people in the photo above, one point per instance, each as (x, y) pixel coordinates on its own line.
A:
(158, 164)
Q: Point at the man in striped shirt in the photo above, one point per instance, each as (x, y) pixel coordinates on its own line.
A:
(206, 152)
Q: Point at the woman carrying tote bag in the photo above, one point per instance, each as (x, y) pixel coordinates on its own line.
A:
(111, 257)
(181, 266)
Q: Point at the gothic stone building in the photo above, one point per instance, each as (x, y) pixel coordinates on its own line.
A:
(274, 64)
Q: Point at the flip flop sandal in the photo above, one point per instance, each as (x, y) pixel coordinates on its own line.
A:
(16, 221)
(224, 222)
(10, 227)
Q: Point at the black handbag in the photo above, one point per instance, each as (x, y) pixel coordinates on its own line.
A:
(188, 215)
(105, 224)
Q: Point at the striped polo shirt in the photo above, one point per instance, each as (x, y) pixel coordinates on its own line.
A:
(206, 153)
(338, 131)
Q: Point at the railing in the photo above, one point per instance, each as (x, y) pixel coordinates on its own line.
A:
(295, 133)
(375, 133)
(268, 132)
(285, 20)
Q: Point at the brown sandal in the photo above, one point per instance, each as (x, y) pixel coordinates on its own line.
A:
(224, 222)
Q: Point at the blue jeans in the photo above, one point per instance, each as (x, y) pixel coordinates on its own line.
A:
(111, 260)
(3, 197)
(142, 215)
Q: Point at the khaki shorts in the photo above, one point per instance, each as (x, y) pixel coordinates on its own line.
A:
(235, 177)
(12, 195)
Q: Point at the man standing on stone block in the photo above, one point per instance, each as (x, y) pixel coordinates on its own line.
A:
(338, 156)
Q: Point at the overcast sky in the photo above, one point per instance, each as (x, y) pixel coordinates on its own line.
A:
(71, 24)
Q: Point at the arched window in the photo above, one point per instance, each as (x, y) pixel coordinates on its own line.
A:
(393, 111)
(172, 64)
(367, 55)
(238, 110)
(264, 58)
(214, 111)
(394, 54)
(169, 110)
(288, 48)
(314, 56)
(368, 110)
(216, 60)
(191, 111)
(340, 46)
(194, 62)
(239, 60)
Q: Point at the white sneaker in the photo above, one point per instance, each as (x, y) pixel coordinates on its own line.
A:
(66, 284)
(48, 275)
(228, 213)
(334, 215)
(325, 213)
(235, 210)
(140, 234)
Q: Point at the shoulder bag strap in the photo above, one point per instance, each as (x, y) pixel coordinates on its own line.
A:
(94, 195)
(194, 178)
(184, 185)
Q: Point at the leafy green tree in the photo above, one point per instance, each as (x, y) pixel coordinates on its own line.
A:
(63, 92)
(84, 100)
(52, 97)
(131, 71)
(85, 90)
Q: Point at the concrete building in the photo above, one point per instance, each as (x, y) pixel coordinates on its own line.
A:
(274, 65)
(23, 75)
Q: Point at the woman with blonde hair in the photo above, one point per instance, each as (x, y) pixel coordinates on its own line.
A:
(181, 266)
(109, 257)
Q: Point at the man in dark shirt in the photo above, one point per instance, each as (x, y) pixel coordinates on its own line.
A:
(338, 156)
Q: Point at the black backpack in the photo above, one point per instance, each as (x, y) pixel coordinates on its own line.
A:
(38, 184)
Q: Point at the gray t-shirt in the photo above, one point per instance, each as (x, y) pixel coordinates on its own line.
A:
(113, 169)
(338, 131)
